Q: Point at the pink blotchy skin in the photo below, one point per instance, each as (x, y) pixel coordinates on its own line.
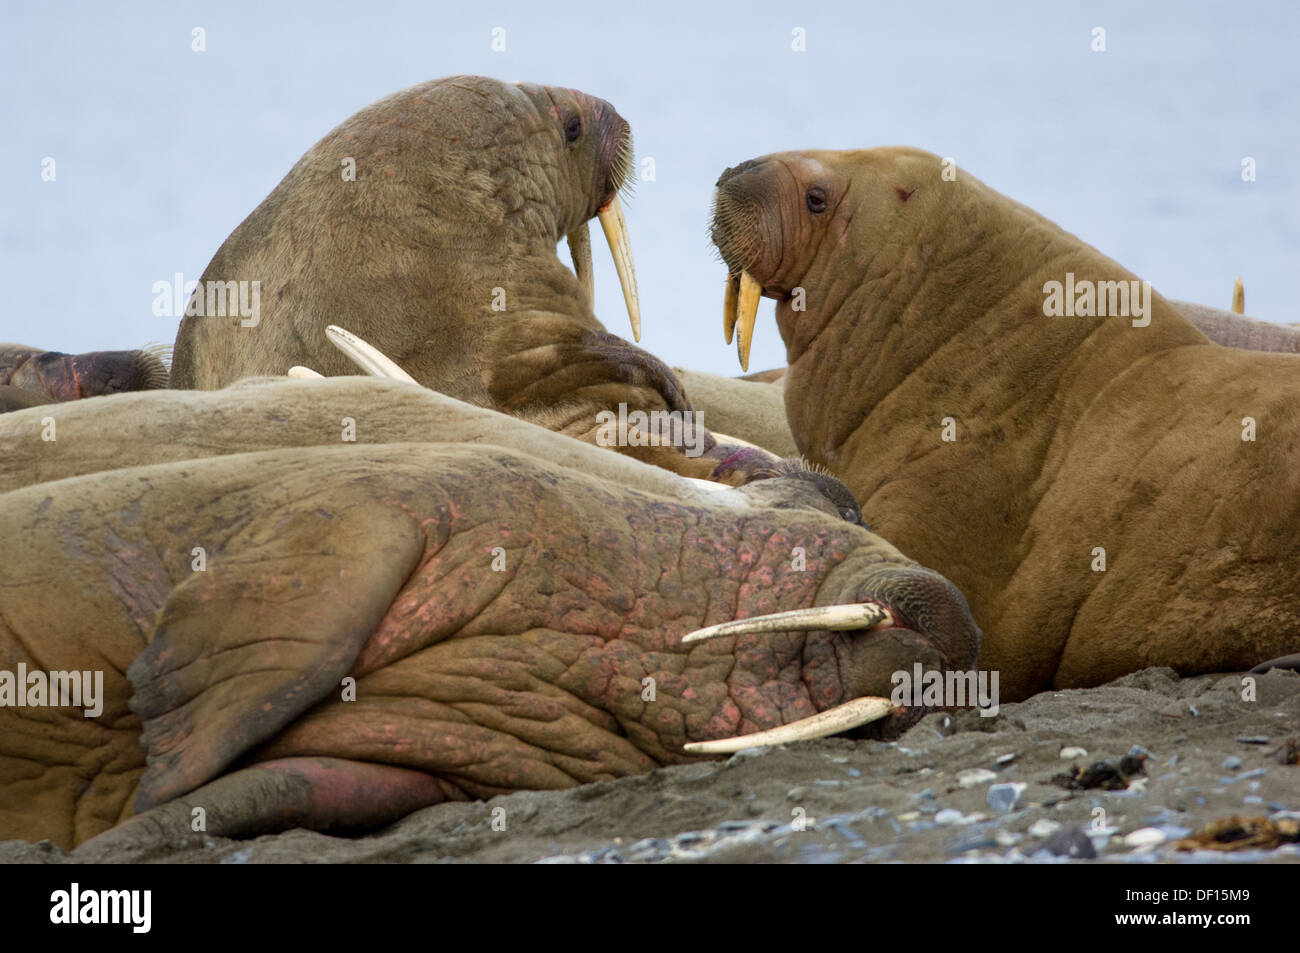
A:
(383, 627)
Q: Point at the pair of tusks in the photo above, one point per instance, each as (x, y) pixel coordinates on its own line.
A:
(859, 711)
(367, 357)
(832, 721)
(1238, 296)
(739, 307)
(615, 226)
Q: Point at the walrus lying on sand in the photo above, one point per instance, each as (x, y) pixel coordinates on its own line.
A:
(30, 375)
(332, 634)
(427, 225)
(1110, 493)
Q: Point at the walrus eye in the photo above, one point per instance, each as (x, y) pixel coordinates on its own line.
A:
(850, 515)
(816, 201)
(573, 129)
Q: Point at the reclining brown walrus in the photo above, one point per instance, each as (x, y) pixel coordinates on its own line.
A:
(1110, 493)
(32, 375)
(510, 603)
(427, 224)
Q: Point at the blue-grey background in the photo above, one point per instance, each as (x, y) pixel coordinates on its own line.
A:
(162, 151)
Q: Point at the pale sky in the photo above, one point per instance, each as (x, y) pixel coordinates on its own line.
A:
(161, 151)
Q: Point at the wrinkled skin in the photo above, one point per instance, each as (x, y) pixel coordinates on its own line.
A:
(30, 376)
(374, 562)
(925, 301)
(463, 188)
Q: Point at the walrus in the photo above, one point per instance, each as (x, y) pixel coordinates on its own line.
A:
(294, 630)
(33, 375)
(1110, 493)
(1235, 329)
(427, 224)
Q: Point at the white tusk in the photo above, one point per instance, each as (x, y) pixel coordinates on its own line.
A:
(615, 226)
(1238, 296)
(852, 714)
(368, 358)
(298, 372)
(734, 441)
(747, 295)
(863, 615)
(711, 485)
(580, 249)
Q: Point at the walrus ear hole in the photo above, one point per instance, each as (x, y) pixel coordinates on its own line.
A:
(816, 201)
(572, 129)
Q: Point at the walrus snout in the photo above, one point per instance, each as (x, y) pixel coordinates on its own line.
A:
(933, 631)
(875, 626)
(736, 170)
(741, 238)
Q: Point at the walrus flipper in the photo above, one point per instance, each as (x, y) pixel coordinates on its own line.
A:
(263, 634)
(1291, 662)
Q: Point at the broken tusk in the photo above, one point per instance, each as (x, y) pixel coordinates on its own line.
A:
(864, 615)
(580, 249)
(852, 714)
(1238, 296)
(615, 226)
(742, 309)
(298, 372)
(368, 358)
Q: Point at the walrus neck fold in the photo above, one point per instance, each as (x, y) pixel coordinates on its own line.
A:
(894, 325)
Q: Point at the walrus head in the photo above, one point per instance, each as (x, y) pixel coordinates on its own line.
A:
(779, 218)
(55, 376)
(541, 162)
(595, 147)
(430, 218)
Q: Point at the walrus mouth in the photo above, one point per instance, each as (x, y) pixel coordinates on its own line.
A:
(614, 225)
(735, 233)
(870, 616)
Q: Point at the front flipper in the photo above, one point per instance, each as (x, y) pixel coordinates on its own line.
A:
(320, 794)
(267, 631)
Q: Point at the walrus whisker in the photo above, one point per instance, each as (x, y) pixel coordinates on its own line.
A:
(832, 721)
(580, 248)
(371, 360)
(624, 162)
(298, 372)
(858, 615)
(615, 226)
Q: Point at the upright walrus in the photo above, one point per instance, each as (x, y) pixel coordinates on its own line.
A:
(1110, 492)
(427, 224)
